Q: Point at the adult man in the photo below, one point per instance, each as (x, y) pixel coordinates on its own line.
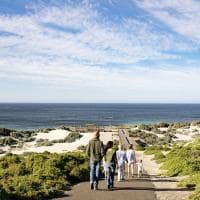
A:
(95, 151)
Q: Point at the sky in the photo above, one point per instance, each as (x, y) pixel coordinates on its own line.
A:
(105, 51)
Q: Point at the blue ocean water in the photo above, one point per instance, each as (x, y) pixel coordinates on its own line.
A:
(29, 116)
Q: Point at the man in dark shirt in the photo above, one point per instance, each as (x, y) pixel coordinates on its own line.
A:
(95, 151)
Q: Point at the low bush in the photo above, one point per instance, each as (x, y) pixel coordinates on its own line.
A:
(145, 127)
(82, 148)
(180, 125)
(159, 157)
(40, 176)
(72, 137)
(43, 142)
(155, 149)
(8, 141)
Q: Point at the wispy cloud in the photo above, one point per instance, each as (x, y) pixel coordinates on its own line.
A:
(182, 16)
(74, 45)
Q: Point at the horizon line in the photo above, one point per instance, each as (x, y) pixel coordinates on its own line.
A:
(99, 103)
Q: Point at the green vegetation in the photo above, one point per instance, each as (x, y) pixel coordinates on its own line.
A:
(152, 138)
(72, 137)
(43, 142)
(82, 148)
(13, 137)
(8, 141)
(181, 160)
(155, 149)
(150, 127)
(180, 125)
(196, 123)
(40, 176)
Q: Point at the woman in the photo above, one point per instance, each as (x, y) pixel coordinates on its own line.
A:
(110, 164)
(121, 160)
(131, 160)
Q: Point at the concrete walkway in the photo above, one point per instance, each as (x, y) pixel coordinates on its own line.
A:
(133, 188)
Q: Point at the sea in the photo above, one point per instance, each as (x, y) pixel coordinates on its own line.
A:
(25, 116)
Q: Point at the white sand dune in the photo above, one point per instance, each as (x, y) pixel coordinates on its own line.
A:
(62, 147)
(53, 135)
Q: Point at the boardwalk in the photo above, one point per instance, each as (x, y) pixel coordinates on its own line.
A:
(134, 188)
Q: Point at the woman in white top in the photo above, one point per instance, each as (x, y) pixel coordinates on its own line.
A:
(131, 160)
(121, 160)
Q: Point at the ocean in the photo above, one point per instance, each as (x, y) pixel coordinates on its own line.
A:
(42, 115)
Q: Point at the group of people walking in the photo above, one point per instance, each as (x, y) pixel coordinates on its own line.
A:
(112, 159)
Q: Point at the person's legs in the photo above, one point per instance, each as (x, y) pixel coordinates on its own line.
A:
(119, 173)
(112, 176)
(105, 173)
(132, 169)
(128, 169)
(108, 177)
(92, 174)
(138, 173)
(123, 172)
(96, 174)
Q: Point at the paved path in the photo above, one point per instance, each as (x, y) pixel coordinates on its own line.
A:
(134, 188)
(130, 189)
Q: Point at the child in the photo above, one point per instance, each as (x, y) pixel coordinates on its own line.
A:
(110, 164)
(130, 154)
(121, 160)
(140, 168)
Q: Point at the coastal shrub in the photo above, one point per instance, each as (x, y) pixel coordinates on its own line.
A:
(180, 125)
(167, 139)
(40, 176)
(136, 133)
(191, 181)
(72, 137)
(196, 123)
(156, 149)
(82, 148)
(195, 196)
(149, 138)
(159, 157)
(2, 151)
(145, 127)
(163, 125)
(183, 160)
(5, 131)
(152, 149)
(65, 128)
(45, 130)
(8, 141)
(140, 145)
(28, 139)
(43, 142)
(156, 131)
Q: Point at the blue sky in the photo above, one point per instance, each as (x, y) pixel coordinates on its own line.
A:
(132, 51)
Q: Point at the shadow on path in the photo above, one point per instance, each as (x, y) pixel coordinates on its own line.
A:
(152, 189)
